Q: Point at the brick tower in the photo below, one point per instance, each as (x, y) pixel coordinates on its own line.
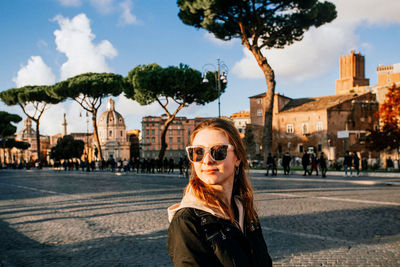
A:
(352, 74)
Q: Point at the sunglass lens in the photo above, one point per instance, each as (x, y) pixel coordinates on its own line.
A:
(219, 152)
(196, 154)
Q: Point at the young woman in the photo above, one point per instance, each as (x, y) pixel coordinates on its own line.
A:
(215, 224)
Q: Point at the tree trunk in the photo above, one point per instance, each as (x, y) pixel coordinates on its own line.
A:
(96, 134)
(164, 144)
(269, 101)
(39, 155)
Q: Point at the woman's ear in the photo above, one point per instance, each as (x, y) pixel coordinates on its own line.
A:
(237, 162)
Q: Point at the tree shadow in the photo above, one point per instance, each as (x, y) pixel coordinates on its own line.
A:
(295, 234)
(138, 250)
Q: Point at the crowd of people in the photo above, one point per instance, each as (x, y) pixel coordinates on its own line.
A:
(318, 164)
(307, 160)
(138, 165)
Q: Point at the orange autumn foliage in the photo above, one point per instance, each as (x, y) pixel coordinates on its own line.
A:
(389, 111)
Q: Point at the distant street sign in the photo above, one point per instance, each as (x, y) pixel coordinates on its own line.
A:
(343, 134)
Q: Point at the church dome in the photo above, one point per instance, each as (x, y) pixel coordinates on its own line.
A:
(111, 117)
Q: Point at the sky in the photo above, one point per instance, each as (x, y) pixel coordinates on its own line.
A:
(46, 41)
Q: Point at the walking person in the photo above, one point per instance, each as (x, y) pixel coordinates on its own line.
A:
(356, 163)
(171, 165)
(305, 161)
(389, 164)
(286, 163)
(270, 164)
(314, 164)
(322, 164)
(216, 224)
(348, 163)
(275, 166)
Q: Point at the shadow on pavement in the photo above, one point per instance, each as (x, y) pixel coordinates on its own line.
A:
(287, 235)
(143, 250)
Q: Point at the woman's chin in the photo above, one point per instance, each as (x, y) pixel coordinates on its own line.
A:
(210, 179)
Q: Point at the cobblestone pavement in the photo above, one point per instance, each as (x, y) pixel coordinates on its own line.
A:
(57, 218)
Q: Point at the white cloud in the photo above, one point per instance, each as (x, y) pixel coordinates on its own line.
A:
(373, 12)
(321, 47)
(75, 40)
(127, 17)
(51, 122)
(36, 72)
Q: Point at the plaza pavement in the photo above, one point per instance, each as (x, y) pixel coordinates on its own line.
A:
(57, 218)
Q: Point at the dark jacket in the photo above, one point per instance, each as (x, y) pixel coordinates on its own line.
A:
(305, 160)
(197, 238)
(348, 160)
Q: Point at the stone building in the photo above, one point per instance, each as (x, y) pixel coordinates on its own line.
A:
(241, 119)
(112, 134)
(352, 74)
(316, 124)
(177, 136)
(332, 124)
(28, 134)
(387, 76)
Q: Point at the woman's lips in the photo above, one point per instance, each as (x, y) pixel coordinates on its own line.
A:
(209, 170)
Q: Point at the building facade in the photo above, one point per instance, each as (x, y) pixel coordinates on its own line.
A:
(177, 136)
(112, 134)
(240, 120)
(329, 124)
(352, 74)
(28, 134)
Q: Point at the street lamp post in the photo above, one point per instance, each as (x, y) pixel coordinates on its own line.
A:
(87, 134)
(220, 75)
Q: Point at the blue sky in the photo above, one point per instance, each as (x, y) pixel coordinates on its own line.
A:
(44, 41)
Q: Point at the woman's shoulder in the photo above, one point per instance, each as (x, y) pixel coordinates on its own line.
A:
(193, 216)
(185, 214)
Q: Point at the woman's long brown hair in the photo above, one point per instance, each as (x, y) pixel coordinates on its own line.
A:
(241, 187)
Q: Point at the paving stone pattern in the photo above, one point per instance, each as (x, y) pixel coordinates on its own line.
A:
(57, 218)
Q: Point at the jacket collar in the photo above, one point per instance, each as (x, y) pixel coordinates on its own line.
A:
(189, 200)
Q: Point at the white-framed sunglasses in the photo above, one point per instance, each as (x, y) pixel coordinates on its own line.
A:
(217, 152)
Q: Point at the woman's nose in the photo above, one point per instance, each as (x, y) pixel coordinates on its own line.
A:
(207, 158)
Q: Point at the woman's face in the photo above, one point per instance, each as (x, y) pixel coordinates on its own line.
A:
(210, 171)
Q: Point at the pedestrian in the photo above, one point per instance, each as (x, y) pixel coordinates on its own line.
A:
(159, 165)
(314, 164)
(389, 164)
(143, 165)
(364, 164)
(152, 165)
(165, 164)
(356, 163)
(275, 166)
(171, 165)
(322, 164)
(286, 163)
(216, 224)
(180, 164)
(148, 165)
(305, 161)
(348, 163)
(270, 164)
